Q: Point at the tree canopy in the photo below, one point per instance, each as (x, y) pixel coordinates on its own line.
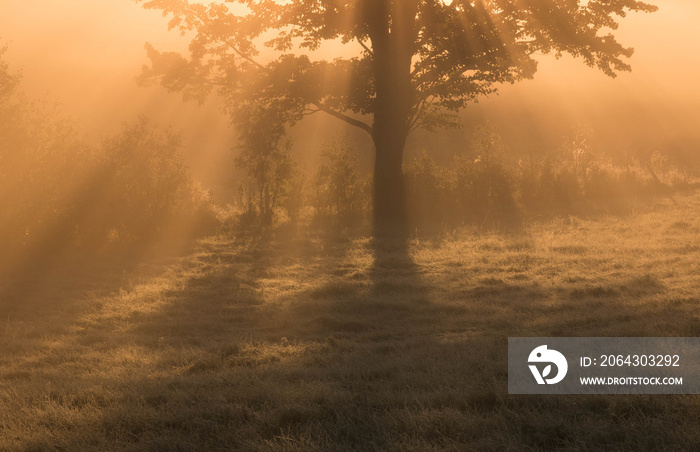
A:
(456, 50)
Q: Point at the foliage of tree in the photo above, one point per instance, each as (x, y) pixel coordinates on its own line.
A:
(406, 63)
(266, 159)
(58, 191)
(339, 188)
(144, 187)
(42, 163)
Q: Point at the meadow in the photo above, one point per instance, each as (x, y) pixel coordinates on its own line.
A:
(340, 341)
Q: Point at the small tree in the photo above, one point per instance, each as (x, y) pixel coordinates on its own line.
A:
(143, 186)
(267, 162)
(339, 191)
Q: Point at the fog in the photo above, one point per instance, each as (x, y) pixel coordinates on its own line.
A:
(86, 55)
(170, 283)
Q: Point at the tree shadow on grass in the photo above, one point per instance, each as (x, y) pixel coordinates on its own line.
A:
(277, 343)
(343, 344)
(44, 302)
(250, 345)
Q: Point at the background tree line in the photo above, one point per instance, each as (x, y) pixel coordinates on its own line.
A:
(482, 184)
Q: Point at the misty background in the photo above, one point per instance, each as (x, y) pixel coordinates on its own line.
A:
(167, 286)
(86, 55)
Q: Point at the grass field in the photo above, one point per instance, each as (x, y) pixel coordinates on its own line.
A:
(308, 342)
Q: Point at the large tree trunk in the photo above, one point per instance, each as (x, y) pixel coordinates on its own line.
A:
(394, 98)
(389, 195)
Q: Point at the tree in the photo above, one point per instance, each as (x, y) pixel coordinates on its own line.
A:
(339, 190)
(414, 63)
(266, 159)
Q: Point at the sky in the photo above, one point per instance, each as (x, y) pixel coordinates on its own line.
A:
(86, 55)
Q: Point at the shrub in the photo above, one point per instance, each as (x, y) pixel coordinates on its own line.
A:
(43, 167)
(479, 187)
(56, 191)
(143, 189)
(483, 189)
(340, 194)
(547, 186)
(271, 178)
(429, 190)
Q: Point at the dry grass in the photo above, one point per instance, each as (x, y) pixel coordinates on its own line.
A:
(343, 343)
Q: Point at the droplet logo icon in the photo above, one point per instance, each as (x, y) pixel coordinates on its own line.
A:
(543, 355)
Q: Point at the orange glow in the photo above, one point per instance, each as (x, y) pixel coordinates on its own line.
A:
(86, 55)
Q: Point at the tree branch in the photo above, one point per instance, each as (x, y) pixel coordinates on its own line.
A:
(416, 120)
(364, 46)
(310, 111)
(248, 58)
(352, 121)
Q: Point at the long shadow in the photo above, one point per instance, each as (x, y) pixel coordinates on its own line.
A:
(218, 313)
(311, 343)
(392, 260)
(58, 289)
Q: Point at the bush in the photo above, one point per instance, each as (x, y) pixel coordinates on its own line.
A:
(429, 190)
(43, 167)
(483, 189)
(340, 195)
(477, 187)
(56, 191)
(272, 176)
(143, 190)
(547, 186)
(480, 188)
